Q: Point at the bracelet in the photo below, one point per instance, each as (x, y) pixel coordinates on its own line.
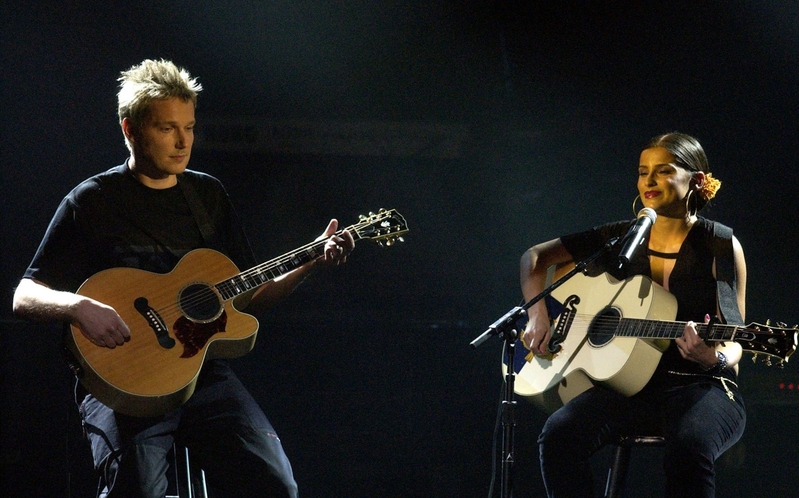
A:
(720, 365)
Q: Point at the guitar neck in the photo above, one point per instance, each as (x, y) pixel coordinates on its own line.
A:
(656, 329)
(265, 272)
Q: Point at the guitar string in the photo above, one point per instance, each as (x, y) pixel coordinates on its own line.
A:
(311, 249)
(267, 267)
(227, 287)
(719, 332)
(672, 329)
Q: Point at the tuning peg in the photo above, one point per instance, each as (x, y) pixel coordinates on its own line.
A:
(782, 324)
(781, 364)
(768, 322)
(401, 239)
(768, 361)
(754, 358)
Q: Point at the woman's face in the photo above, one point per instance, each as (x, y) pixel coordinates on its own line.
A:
(662, 185)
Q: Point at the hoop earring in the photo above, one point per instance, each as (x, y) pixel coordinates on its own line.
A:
(690, 207)
(637, 198)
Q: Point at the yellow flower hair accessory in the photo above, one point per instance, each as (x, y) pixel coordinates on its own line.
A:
(710, 187)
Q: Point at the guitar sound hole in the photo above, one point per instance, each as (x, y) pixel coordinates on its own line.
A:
(200, 303)
(604, 326)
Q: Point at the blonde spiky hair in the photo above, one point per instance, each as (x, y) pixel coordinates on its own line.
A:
(152, 80)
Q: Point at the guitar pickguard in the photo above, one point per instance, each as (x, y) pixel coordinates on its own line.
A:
(194, 336)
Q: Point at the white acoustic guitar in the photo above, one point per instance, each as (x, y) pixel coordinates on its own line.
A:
(614, 333)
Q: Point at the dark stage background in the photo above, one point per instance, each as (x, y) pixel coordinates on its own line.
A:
(489, 125)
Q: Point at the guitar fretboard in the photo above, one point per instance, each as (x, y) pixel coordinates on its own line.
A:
(270, 270)
(655, 329)
(384, 227)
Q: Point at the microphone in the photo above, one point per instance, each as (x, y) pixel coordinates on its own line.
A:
(636, 234)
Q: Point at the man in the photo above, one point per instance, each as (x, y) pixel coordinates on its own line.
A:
(147, 214)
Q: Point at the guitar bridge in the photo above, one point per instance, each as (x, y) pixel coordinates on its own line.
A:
(565, 320)
(155, 322)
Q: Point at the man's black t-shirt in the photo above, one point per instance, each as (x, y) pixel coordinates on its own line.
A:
(112, 220)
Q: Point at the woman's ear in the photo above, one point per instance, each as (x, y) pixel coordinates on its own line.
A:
(698, 179)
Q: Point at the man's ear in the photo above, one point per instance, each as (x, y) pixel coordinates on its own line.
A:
(128, 129)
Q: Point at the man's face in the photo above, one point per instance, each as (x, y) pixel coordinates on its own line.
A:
(162, 144)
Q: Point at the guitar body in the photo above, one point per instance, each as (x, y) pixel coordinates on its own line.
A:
(177, 321)
(588, 355)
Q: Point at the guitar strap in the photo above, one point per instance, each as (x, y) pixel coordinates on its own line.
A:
(725, 274)
(197, 210)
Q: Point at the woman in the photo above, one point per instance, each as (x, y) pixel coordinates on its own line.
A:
(692, 398)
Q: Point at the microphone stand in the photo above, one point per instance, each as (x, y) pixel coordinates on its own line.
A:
(506, 326)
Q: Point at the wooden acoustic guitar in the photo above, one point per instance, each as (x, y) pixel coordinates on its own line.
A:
(180, 319)
(614, 332)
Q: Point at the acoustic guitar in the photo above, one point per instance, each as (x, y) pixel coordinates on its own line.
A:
(180, 319)
(613, 333)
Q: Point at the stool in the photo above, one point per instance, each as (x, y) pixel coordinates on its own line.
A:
(621, 461)
(186, 478)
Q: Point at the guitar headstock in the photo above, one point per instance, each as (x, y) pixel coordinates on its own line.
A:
(384, 227)
(779, 341)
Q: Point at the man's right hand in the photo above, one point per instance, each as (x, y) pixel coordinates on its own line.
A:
(100, 323)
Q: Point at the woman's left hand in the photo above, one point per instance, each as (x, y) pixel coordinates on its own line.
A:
(693, 348)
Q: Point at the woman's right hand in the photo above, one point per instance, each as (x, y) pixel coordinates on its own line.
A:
(537, 332)
(533, 276)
